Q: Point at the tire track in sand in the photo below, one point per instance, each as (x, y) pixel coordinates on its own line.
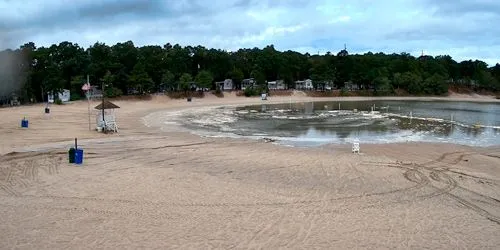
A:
(440, 176)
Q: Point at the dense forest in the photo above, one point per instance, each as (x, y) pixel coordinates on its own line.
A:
(30, 71)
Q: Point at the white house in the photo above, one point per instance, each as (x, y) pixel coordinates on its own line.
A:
(247, 83)
(329, 85)
(304, 84)
(228, 84)
(276, 85)
(225, 85)
(351, 86)
(64, 96)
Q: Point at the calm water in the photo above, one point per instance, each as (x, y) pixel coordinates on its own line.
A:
(318, 123)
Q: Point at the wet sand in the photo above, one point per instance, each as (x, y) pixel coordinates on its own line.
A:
(151, 188)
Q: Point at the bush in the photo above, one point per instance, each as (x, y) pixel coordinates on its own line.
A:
(113, 92)
(255, 91)
(184, 94)
(218, 93)
(250, 92)
(58, 101)
(75, 97)
(344, 92)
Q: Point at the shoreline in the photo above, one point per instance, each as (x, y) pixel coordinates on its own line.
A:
(158, 104)
(180, 126)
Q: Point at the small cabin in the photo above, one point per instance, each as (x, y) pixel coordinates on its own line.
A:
(276, 85)
(304, 84)
(247, 83)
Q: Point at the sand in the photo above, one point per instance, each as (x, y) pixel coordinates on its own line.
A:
(147, 187)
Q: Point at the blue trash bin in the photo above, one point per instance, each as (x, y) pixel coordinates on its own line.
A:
(78, 156)
(24, 123)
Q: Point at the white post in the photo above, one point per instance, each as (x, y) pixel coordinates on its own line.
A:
(339, 105)
(451, 122)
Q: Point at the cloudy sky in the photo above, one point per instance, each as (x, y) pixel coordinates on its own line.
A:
(464, 29)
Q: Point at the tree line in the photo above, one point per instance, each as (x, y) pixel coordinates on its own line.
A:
(125, 68)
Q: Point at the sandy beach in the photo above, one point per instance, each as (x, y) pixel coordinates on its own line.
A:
(148, 187)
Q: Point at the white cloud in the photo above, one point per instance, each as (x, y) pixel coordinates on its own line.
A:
(458, 28)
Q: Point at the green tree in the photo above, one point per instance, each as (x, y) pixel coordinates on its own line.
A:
(168, 80)
(383, 86)
(34, 71)
(204, 79)
(237, 76)
(185, 81)
(140, 79)
(259, 77)
(487, 81)
(435, 85)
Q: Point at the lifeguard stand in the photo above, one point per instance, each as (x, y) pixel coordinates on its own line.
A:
(355, 147)
(106, 119)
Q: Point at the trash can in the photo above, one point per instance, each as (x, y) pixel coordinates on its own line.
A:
(71, 155)
(79, 156)
(189, 99)
(24, 123)
(47, 110)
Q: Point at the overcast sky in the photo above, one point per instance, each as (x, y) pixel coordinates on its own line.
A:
(464, 29)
